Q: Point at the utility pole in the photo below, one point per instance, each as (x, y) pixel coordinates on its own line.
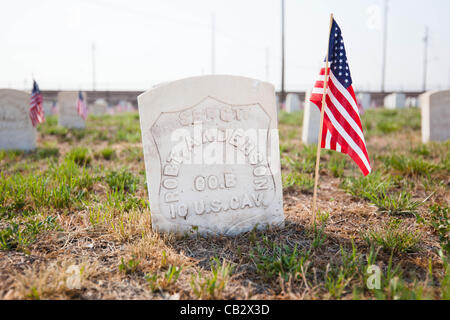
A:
(425, 59)
(267, 64)
(383, 63)
(213, 43)
(93, 67)
(282, 93)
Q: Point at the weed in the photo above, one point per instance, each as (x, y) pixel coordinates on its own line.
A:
(273, 260)
(129, 266)
(47, 152)
(20, 236)
(395, 204)
(407, 166)
(440, 222)
(80, 155)
(212, 286)
(165, 281)
(108, 153)
(298, 180)
(121, 181)
(393, 236)
(291, 118)
(337, 278)
(364, 187)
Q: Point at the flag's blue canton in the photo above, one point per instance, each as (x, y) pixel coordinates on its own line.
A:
(35, 88)
(80, 96)
(337, 56)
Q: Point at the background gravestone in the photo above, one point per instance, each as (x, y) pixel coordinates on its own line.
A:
(68, 114)
(311, 121)
(292, 102)
(99, 107)
(47, 106)
(212, 155)
(364, 100)
(16, 130)
(435, 112)
(411, 102)
(394, 101)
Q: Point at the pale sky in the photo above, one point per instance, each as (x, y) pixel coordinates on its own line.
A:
(140, 43)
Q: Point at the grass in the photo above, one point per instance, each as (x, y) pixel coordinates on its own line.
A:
(293, 119)
(80, 155)
(121, 181)
(19, 236)
(379, 189)
(385, 121)
(78, 206)
(408, 166)
(108, 153)
(213, 285)
(294, 180)
(393, 236)
(394, 204)
(440, 222)
(165, 281)
(274, 260)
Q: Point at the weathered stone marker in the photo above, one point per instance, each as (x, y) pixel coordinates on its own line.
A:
(292, 102)
(311, 121)
(435, 111)
(212, 155)
(99, 107)
(16, 130)
(364, 100)
(68, 114)
(394, 101)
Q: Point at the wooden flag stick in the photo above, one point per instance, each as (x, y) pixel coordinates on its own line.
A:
(319, 140)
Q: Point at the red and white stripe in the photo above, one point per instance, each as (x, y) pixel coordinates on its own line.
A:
(36, 110)
(81, 108)
(342, 130)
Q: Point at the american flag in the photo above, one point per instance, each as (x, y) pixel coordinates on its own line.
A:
(36, 109)
(342, 130)
(81, 106)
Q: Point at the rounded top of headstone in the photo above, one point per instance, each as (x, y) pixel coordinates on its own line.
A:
(201, 85)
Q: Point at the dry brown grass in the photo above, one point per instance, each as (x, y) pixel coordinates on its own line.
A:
(99, 237)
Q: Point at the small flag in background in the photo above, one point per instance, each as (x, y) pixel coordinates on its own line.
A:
(54, 108)
(81, 106)
(36, 109)
(342, 130)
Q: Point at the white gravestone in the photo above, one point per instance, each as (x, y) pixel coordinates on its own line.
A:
(364, 100)
(16, 130)
(435, 111)
(99, 107)
(48, 107)
(411, 102)
(212, 155)
(292, 102)
(394, 101)
(68, 113)
(311, 121)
